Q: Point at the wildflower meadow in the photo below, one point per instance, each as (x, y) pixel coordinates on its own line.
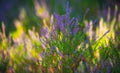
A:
(60, 42)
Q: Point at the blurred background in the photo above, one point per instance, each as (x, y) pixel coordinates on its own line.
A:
(30, 11)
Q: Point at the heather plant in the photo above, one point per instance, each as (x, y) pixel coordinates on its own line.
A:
(62, 45)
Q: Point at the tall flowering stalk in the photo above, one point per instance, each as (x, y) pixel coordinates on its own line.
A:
(66, 24)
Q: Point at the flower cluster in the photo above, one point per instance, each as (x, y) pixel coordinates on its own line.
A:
(66, 24)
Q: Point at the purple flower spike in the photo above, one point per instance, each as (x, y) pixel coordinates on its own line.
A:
(68, 9)
(65, 24)
(44, 32)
